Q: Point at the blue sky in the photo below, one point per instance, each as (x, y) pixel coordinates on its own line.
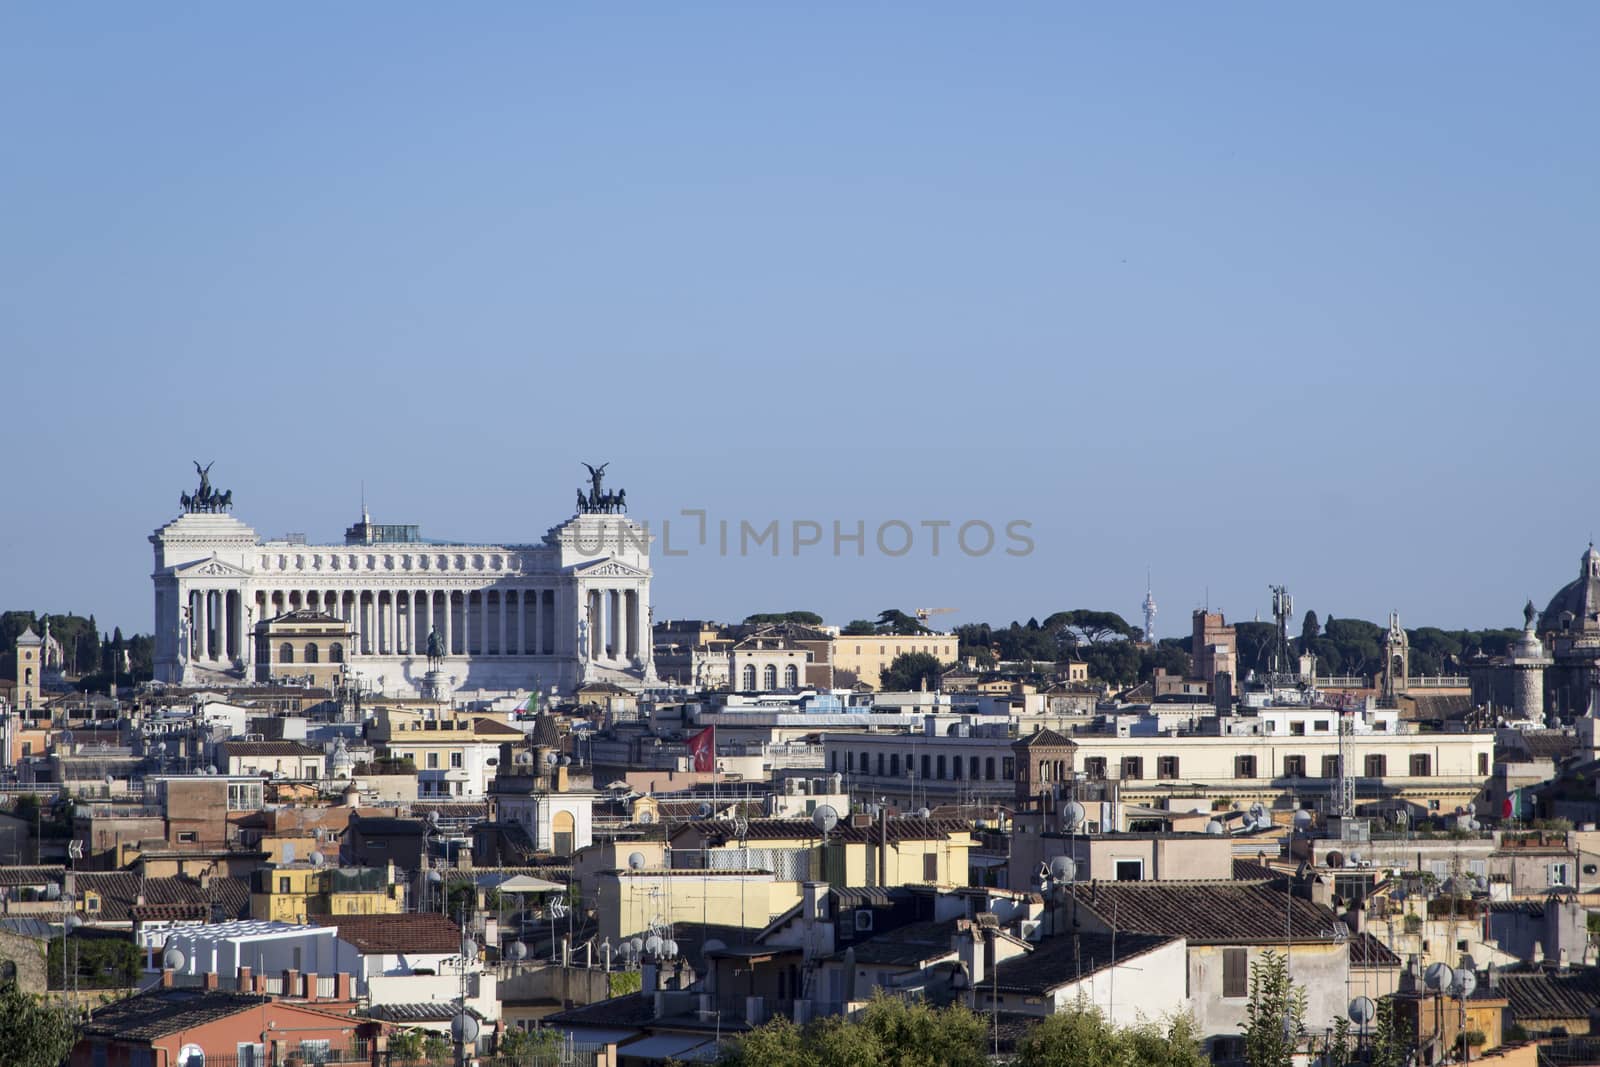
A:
(1241, 293)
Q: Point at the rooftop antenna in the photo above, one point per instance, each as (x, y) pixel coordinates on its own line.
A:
(364, 517)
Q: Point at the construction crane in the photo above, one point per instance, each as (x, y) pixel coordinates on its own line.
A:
(924, 614)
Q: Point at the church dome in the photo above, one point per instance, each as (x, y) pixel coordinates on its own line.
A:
(1576, 605)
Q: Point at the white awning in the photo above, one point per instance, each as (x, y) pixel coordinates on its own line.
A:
(525, 883)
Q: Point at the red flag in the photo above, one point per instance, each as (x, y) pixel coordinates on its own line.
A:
(703, 750)
(1506, 809)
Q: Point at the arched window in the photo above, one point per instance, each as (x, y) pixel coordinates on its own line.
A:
(769, 677)
(791, 677)
(749, 677)
(336, 653)
(311, 652)
(286, 653)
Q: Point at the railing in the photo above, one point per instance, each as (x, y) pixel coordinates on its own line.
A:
(327, 986)
(1439, 681)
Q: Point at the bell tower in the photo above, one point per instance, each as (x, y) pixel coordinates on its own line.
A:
(1396, 658)
(30, 665)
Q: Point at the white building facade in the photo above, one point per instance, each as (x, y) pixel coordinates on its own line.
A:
(574, 607)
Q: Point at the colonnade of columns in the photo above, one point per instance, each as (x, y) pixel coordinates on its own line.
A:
(213, 630)
(397, 622)
(616, 624)
(218, 628)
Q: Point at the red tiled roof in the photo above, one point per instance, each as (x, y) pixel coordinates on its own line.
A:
(423, 932)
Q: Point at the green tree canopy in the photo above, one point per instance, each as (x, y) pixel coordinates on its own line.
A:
(804, 618)
(859, 628)
(1275, 1018)
(33, 1034)
(895, 621)
(1083, 1038)
(909, 671)
(888, 1033)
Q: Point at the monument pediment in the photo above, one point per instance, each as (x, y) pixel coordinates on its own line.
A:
(608, 568)
(210, 568)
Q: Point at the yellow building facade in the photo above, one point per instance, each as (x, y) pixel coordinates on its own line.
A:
(868, 655)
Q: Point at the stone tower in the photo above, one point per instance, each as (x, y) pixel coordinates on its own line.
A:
(1396, 658)
(30, 666)
(1529, 661)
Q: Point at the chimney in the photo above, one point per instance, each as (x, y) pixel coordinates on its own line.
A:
(211, 980)
(246, 980)
(812, 895)
(341, 987)
(969, 950)
(166, 977)
(311, 985)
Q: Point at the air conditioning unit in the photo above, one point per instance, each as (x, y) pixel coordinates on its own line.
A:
(863, 920)
(1030, 929)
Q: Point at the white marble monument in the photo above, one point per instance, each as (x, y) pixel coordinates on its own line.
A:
(508, 614)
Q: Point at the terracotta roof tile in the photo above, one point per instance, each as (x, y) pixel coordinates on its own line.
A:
(1208, 912)
(423, 932)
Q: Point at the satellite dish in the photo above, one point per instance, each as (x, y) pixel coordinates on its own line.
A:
(923, 813)
(1072, 814)
(173, 960)
(637, 945)
(73, 922)
(669, 948)
(565, 761)
(714, 945)
(211, 769)
(550, 759)
(1438, 977)
(1472, 807)
(109, 779)
(1335, 859)
(433, 817)
(1258, 812)
(517, 951)
(464, 1028)
(317, 859)
(636, 860)
(1302, 819)
(825, 818)
(653, 945)
(1214, 828)
(704, 809)
(435, 877)
(1362, 1010)
(469, 948)
(1466, 981)
(645, 818)
(1063, 869)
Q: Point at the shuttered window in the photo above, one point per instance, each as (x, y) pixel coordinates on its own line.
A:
(1235, 972)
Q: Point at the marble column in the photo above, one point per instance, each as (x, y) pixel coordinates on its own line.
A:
(502, 623)
(203, 626)
(632, 623)
(449, 624)
(518, 645)
(547, 622)
(483, 621)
